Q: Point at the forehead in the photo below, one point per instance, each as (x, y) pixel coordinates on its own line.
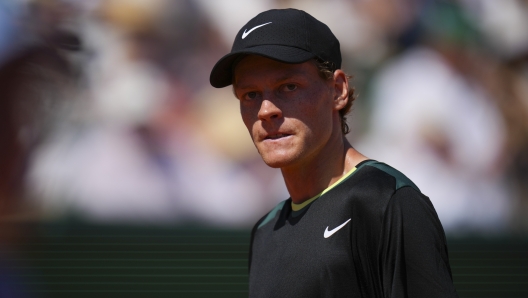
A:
(260, 68)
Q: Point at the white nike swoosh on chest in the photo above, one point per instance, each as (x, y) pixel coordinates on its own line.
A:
(244, 34)
(332, 232)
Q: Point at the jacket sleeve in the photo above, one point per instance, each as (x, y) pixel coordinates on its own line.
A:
(413, 255)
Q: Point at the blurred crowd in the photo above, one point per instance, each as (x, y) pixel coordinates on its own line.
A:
(107, 114)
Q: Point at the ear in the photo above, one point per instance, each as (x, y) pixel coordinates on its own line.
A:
(340, 89)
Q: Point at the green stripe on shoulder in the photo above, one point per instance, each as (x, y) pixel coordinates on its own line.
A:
(272, 214)
(401, 179)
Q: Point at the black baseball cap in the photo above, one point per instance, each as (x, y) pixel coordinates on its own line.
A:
(285, 35)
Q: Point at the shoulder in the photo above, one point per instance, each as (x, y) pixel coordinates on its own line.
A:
(380, 172)
(405, 195)
(270, 216)
(403, 204)
(371, 191)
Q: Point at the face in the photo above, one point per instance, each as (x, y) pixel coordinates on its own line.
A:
(289, 109)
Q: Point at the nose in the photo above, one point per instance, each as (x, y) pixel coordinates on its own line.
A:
(269, 110)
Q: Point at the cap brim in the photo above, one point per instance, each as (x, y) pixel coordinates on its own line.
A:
(222, 73)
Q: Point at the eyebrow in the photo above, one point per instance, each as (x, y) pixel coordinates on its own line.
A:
(243, 86)
(288, 75)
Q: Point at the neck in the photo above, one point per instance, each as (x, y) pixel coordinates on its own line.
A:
(311, 178)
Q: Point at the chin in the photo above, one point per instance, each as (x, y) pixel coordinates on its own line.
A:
(279, 156)
(274, 164)
(277, 161)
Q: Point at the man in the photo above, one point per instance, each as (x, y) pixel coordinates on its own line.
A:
(353, 227)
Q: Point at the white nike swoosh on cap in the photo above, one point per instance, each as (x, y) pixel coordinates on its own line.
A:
(244, 34)
(332, 232)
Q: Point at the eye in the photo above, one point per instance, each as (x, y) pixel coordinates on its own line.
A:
(290, 87)
(250, 95)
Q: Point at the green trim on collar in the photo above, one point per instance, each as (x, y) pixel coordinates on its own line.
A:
(297, 207)
(271, 214)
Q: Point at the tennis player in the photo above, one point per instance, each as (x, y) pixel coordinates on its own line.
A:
(352, 227)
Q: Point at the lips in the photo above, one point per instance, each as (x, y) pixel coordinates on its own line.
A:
(276, 136)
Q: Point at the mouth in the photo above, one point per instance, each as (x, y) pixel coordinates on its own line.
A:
(276, 136)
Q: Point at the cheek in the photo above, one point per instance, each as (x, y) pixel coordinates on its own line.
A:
(249, 116)
(315, 114)
(312, 107)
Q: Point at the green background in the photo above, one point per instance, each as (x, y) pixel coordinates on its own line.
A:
(76, 259)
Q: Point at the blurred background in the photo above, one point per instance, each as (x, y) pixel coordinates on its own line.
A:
(115, 150)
